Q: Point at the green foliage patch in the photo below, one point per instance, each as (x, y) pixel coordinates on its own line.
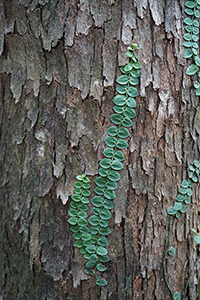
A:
(90, 233)
(185, 192)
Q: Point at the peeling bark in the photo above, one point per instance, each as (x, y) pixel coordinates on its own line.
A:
(58, 65)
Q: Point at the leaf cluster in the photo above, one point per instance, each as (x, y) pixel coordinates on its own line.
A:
(191, 40)
(90, 233)
(185, 192)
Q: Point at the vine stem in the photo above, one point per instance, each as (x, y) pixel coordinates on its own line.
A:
(164, 261)
(187, 284)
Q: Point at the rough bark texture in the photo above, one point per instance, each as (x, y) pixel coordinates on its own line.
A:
(58, 65)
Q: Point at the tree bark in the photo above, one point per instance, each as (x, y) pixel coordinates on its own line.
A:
(58, 65)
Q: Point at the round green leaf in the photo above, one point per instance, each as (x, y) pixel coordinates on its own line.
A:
(72, 221)
(116, 119)
(171, 211)
(123, 79)
(99, 190)
(177, 296)
(189, 11)
(82, 214)
(180, 198)
(108, 152)
(76, 198)
(93, 229)
(104, 258)
(192, 70)
(102, 241)
(121, 89)
(120, 100)
(196, 163)
(128, 67)
(196, 23)
(127, 122)
(85, 200)
(187, 37)
(109, 194)
(101, 268)
(137, 65)
(113, 175)
(190, 4)
(72, 212)
(118, 109)
(101, 250)
(77, 184)
(105, 214)
(78, 190)
(188, 53)
(135, 73)
(110, 141)
(183, 191)
(93, 220)
(171, 251)
(76, 235)
(133, 80)
(104, 223)
(86, 186)
(132, 91)
(104, 230)
(79, 243)
(197, 239)
(188, 21)
(194, 178)
(187, 199)
(131, 102)
(86, 193)
(74, 204)
(108, 204)
(82, 222)
(121, 144)
(177, 206)
(195, 31)
(82, 206)
(129, 113)
(101, 282)
(100, 181)
(112, 130)
(184, 184)
(188, 28)
(97, 201)
(129, 54)
(123, 133)
(105, 163)
(111, 185)
(187, 45)
(91, 249)
(182, 210)
(79, 177)
(198, 92)
(75, 228)
(197, 14)
(119, 156)
(116, 165)
(103, 172)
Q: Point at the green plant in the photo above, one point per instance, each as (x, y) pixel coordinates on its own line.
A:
(92, 239)
(185, 192)
(191, 38)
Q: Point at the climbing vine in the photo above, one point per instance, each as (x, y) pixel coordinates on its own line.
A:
(90, 233)
(185, 192)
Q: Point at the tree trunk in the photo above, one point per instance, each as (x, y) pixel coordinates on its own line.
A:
(58, 66)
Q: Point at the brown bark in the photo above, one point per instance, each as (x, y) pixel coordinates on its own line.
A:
(58, 65)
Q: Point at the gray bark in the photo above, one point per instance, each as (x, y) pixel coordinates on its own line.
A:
(58, 65)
